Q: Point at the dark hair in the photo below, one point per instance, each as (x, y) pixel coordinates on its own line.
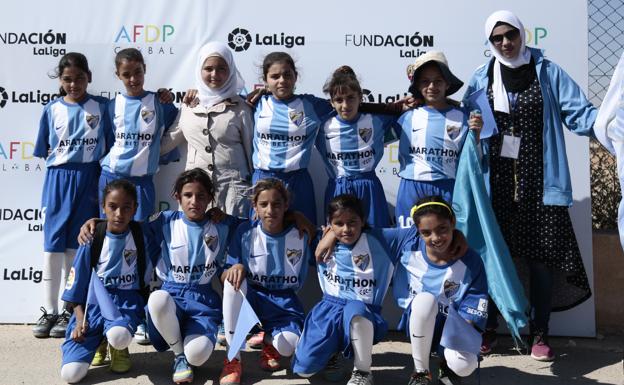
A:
(499, 23)
(346, 202)
(194, 175)
(71, 59)
(441, 208)
(129, 54)
(277, 57)
(343, 79)
(120, 184)
(269, 184)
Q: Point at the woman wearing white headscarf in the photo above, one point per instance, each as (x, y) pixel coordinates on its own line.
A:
(532, 98)
(218, 129)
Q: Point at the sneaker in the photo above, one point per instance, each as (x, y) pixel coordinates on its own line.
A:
(119, 360)
(541, 350)
(231, 373)
(60, 326)
(256, 341)
(182, 370)
(221, 336)
(446, 376)
(420, 378)
(269, 358)
(140, 336)
(488, 341)
(333, 371)
(44, 324)
(100, 358)
(361, 378)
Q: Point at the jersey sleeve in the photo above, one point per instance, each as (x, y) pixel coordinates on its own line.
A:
(79, 276)
(42, 145)
(398, 239)
(234, 252)
(474, 304)
(390, 127)
(109, 129)
(322, 107)
(169, 114)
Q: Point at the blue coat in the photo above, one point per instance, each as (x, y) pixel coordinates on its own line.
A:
(564, 103)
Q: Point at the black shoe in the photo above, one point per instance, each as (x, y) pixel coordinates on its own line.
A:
(44, 324)
(420, 378)
(60, 326)
(446, 376)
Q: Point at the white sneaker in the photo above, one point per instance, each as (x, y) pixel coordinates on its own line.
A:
(361, 378)
(140, 336)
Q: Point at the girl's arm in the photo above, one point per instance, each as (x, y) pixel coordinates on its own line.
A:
(78, 334)
(42, 146)
(302, 224)
(326, 245)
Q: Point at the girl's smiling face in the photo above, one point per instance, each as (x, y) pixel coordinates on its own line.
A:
(270, 208)
(347, 226)
(437, 233)
(215, 72)
(132, 75)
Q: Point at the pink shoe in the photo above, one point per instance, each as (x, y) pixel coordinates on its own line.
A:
(541, 350)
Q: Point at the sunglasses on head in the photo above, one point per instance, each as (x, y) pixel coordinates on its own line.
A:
(512, 34)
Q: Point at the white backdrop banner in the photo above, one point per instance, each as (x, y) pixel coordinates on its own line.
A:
(377, 39)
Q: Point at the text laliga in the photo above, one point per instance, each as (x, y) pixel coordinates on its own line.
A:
(23, 275)
(281, 39)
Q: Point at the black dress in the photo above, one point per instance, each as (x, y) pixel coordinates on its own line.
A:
(532, 230)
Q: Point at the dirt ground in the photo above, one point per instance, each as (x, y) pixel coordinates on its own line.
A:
(27, 360)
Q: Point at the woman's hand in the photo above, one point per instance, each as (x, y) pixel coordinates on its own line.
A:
(234, 275)
(475, 123)
(190, 98)
(165, 96)
(325, 248)
(87, 231)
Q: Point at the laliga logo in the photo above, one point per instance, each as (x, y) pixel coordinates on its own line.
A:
(4, 96)
(369, 97)
(240, 39)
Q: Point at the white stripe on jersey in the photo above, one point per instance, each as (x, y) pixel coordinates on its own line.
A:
(122, 273)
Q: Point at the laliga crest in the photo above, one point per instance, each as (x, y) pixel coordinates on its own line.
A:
(361, 261)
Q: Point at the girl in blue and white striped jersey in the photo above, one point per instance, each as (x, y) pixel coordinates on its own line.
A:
(118, 269)
(352, 144)
(354, 282)
(431, 136)
(185, 313)
(428, 280)
(71, 139)
(138, 120)
(269, 263)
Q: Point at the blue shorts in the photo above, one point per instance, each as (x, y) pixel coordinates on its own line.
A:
(299, 185)
(198, 309)
(70, 199)
(277, 310)
(146, 193)
(411, 191)
(130, 304)
(367, 187)
(327, 331)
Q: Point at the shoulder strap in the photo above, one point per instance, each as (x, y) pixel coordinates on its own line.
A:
(98, 241)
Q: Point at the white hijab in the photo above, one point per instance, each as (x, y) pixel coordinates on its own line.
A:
(501, 100)
(208, 97)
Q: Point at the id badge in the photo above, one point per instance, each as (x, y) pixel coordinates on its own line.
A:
(510, 147)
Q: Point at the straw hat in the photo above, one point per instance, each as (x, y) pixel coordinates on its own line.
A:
(438, 57)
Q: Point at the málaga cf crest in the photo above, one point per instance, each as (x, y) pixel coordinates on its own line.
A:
(296, 117)
(366, 133)
(130, 256)
(294, 255)
(147, 115)
(361, 261)
(450, 288)
(92, 120)
(211, 241)
(452, 131)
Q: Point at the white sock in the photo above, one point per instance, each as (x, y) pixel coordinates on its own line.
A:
(421, 326)
(362, 333)
(52, 268)
(285, 343)
(162, 310)
(462, 363)
(73, 372)
(68, 262)
(232, 301)
(197, 349)
(119, 337)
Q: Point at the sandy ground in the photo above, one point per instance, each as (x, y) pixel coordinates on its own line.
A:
(27, 360)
